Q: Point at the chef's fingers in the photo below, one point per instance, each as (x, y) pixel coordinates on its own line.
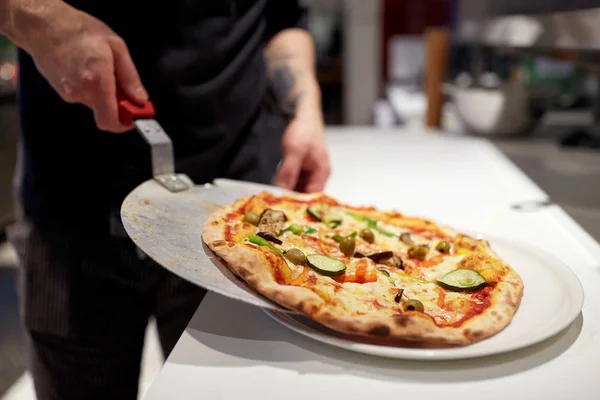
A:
(127, 75)
(303, 180)
(318, 176)
(287, 176)
(99, 85)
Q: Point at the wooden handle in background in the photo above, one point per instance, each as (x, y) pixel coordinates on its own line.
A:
(436, 68)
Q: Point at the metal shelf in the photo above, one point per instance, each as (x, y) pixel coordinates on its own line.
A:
(528, 27)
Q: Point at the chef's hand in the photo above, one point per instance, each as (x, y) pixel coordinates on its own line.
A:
(81, 57)
(305, 166)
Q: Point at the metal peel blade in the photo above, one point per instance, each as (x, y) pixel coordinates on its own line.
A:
(165, 216)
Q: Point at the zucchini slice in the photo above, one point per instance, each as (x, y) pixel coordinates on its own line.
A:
(326, 265)
(315, 212)
(462, 279)
(332, 218)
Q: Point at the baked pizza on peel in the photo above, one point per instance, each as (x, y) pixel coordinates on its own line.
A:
(366, 272)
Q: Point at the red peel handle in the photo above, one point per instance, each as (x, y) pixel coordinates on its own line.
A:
(129, 111)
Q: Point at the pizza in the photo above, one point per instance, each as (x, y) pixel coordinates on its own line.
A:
(366, 272)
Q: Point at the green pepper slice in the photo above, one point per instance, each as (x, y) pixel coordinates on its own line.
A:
(262, 242)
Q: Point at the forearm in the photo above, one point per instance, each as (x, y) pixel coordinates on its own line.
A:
(9, 11)
(6, 7)
(23, 21)
(290, 57)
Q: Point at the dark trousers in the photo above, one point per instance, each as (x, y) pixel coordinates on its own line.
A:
(86, 302)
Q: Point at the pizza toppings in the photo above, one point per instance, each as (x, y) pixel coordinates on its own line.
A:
(298, 230)
(333, 219)
(367, 235)
(381, 256)
(462, 279)
(348, 245)
(371, 223)
(414, 305)
(362, 261)
(268, 236)
(443, 247)
(296, 256)
(315, 213)
(255, 239)
(325, 265)
(418, 252)
(386, 258)
(394, 262)
(398, 296)
(340, 238)
(384, 272)
(410, 277)
(252, 218)
(295, 229)
(364, 272)
(272, 221)
(329, 216)
(406, 238)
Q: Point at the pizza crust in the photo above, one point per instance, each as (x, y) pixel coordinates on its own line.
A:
(252, 265)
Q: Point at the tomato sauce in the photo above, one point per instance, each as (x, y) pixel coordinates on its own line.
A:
(315, 243)
(246, 206)
(275, 261)
(430, 263)
(271, 200)
(428, 232)
(482, 302)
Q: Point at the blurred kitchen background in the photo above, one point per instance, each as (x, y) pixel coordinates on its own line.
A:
(523, 74)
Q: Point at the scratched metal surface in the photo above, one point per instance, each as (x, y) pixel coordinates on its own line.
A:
(168, 228)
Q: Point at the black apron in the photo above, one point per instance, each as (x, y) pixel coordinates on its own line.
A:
(202, 64)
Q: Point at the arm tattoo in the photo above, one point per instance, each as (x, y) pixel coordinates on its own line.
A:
(283, 81)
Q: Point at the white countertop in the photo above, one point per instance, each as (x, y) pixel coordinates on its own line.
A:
(232, 350)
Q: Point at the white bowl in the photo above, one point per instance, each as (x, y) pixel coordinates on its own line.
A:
(501, 111)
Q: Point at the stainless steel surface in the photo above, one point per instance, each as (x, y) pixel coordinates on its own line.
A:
(163, 164)
(168, 226)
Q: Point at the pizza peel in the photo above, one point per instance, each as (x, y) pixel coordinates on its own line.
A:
(165, 215)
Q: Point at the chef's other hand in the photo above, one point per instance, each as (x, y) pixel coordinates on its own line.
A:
(305, 166)
(81, 57)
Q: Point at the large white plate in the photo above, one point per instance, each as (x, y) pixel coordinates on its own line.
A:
(552, 300)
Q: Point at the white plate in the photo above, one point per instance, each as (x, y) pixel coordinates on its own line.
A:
(552, 299)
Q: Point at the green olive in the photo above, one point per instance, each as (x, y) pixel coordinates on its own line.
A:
(414, 305)
(418, 252)
(251, 218)
(367, 235)
(347, 246)
(443, 247)
(296, 256)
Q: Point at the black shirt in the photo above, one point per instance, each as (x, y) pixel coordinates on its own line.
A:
(202, 64)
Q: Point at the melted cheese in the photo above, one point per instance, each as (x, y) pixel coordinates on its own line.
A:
(375, 297)
(448, 264)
